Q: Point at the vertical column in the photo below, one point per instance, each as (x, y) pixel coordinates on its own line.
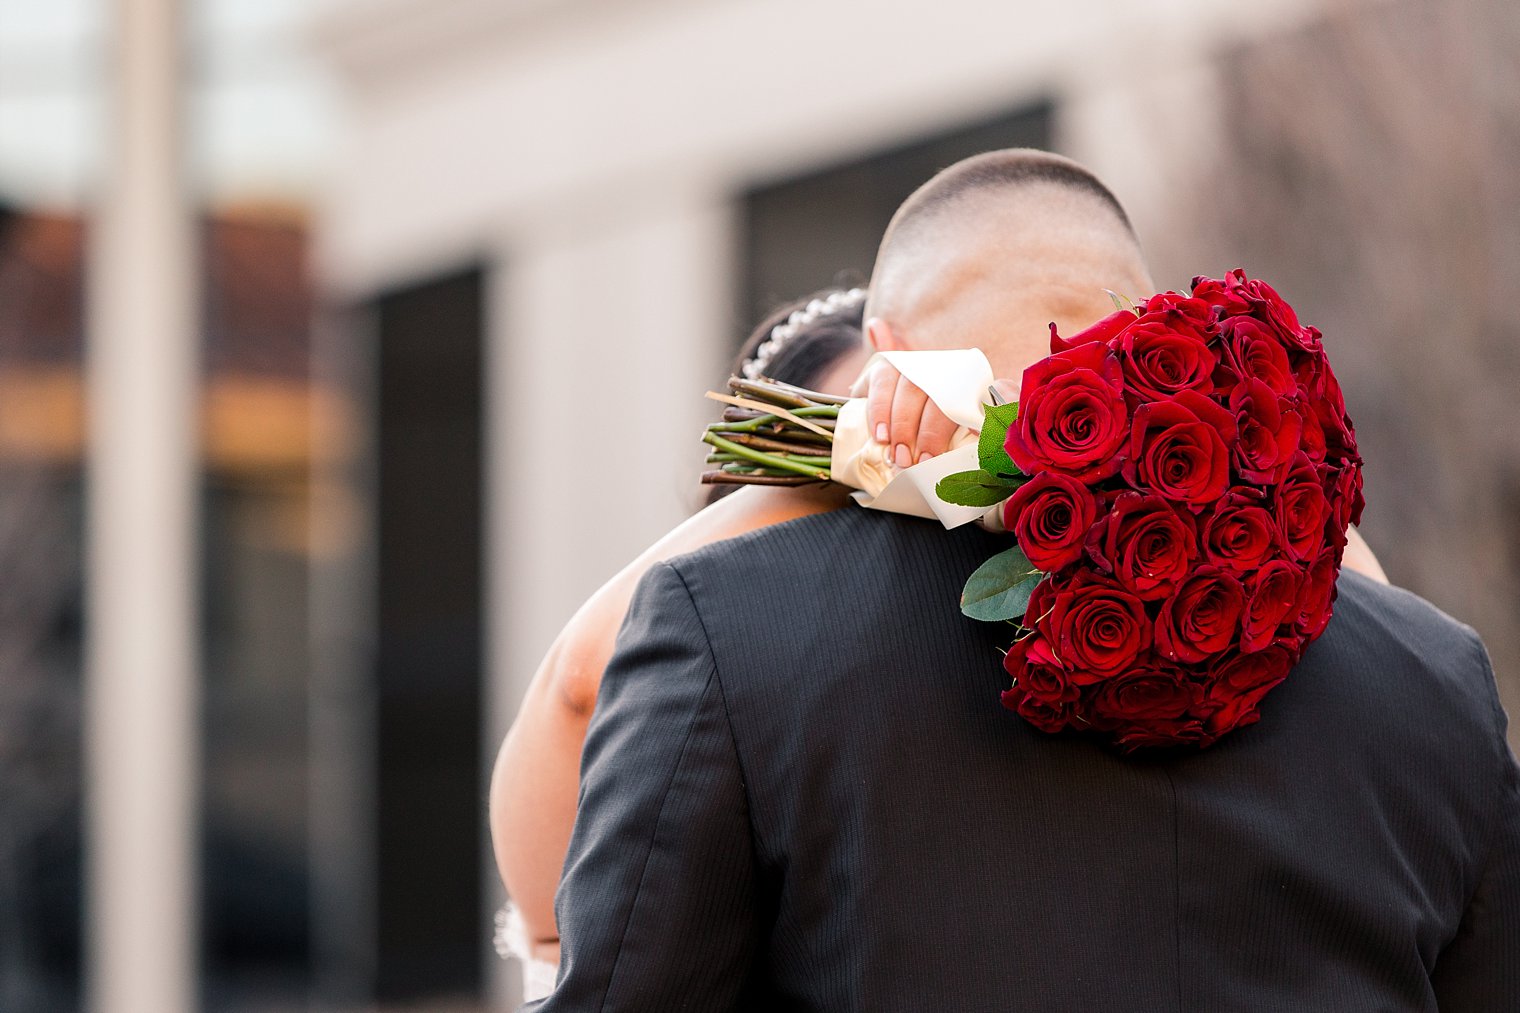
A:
(142, 625)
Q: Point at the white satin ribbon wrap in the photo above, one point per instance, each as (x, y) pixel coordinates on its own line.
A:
(957, 382)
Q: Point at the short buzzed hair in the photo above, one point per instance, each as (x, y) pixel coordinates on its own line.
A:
(997, 238)
(1010, 167)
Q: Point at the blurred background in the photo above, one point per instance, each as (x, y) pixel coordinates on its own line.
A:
(424, 252)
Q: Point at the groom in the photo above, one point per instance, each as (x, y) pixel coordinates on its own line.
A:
(799, 791)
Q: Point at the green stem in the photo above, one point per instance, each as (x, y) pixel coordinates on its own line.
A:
(766, 460)
(821, 462)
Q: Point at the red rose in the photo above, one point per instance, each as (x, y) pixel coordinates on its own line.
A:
(1241, 683)
(1179, 448)
(1202, 618)
(1145, 543)
(1094, 626)
(1035, 667)
(1269, 431)
(1049, 516)
(1268, 306)
(1103, 332)
(1340, 435)
(1157, 691)
(1271, 600)
(1312, 439)
(1185, 313)
(1251, 350)
(1240, 533)
(1317, 595)
(1165, 734)
(1072, 417)
(1301, 510)
(1244, 672)
(1216, 293)
(1310, 368)
(1164, 353)
(1343, 487)
(1044, 714)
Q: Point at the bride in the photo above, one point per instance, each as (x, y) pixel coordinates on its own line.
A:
(815, 343)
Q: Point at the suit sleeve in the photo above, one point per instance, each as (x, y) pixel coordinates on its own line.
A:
(1479, 970)
(656, 906)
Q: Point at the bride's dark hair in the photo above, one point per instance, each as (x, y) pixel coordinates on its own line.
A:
(804, 354)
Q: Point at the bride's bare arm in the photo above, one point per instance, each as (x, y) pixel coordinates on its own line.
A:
(536, 778)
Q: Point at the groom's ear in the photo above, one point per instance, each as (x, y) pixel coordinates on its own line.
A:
(881, 337)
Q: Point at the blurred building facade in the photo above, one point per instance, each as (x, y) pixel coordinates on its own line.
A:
(591, 201)
(261, 421)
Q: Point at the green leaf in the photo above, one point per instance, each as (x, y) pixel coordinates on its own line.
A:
(975, 488)
(1000, 588)
(996, 421)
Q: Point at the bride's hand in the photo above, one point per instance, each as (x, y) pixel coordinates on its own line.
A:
(902, 417)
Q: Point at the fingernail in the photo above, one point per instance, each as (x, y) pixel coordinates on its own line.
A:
(881, 432)
(925, 456)
(901, 456)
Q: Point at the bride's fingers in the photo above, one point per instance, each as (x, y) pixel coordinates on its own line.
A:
(907, 412)
(935, 430)
(881, 388)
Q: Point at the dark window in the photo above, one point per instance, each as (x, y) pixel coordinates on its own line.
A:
(428, 665)
(813, 230)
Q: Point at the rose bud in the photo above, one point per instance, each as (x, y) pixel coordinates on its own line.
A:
(1145, 543)
(1049, 516)
(1179, 448)
(1271, 600)
(1240, 533)
(1072, 415)
(1269, 432)
(1104, 331)
(1202, 618)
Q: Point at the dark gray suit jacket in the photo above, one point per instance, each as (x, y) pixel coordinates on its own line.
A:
(800, 792)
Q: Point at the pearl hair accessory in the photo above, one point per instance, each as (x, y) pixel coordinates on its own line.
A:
(782, 333)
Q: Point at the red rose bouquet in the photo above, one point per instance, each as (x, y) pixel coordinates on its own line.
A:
(1179, 478)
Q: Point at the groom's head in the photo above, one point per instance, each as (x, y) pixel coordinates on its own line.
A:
(994, 248)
